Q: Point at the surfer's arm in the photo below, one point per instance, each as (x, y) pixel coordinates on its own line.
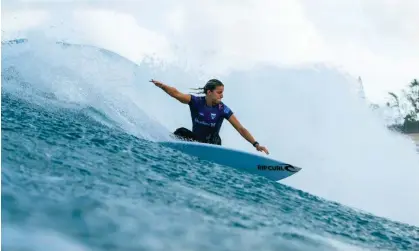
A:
(173, 92)
(246, 134)
(241, 129)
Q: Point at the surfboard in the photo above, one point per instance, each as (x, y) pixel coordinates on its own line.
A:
(250, 162)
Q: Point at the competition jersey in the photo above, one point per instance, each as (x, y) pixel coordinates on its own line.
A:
(207, 120)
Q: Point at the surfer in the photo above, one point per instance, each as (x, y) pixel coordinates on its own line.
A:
(208, 113)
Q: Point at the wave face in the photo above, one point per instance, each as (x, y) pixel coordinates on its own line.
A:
(81, 160)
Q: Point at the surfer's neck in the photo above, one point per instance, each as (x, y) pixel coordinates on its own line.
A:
(209, 103)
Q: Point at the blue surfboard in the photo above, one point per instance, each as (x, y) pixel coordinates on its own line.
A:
(253, 163)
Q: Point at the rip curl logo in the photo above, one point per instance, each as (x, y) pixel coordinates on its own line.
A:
(286, 167)
(204, 123)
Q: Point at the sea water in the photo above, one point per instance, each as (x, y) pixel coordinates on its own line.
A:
(82, 169)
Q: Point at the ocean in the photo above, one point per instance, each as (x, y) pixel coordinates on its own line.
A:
(82, 169)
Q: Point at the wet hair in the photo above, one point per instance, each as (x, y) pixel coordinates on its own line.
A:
(210, 85)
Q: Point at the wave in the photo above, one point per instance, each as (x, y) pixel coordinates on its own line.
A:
(311, 117)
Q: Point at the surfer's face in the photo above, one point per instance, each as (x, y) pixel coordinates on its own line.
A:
(216, 95)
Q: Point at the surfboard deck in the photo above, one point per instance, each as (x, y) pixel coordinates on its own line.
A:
(253, 163)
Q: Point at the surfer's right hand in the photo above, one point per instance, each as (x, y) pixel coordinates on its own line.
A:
(156, 83)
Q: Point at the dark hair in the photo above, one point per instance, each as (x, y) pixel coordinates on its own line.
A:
(210, 85)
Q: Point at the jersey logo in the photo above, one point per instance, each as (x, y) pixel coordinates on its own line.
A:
(213, 115)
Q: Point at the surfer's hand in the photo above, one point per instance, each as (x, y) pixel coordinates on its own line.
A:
(262, 148)
(156, 83)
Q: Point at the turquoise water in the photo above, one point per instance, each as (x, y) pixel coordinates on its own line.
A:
(73, 179)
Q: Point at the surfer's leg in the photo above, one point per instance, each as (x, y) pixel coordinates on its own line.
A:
(216, 140)
(184, 134)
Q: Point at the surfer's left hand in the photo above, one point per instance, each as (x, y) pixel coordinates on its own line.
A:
(262, 148)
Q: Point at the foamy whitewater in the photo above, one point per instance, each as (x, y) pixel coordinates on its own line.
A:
(82, 168)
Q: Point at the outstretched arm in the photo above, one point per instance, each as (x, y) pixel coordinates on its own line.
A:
(246, 134)
(173, 92)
